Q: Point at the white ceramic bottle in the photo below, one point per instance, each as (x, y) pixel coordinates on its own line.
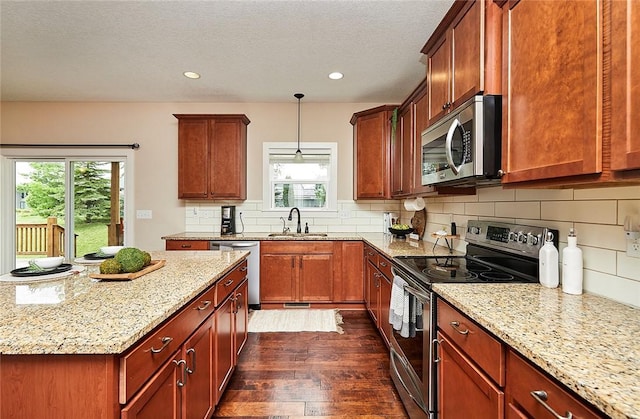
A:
(548, 263)
(572, 266)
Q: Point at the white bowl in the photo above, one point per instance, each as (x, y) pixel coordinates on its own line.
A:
(111, 250)
(48, 263)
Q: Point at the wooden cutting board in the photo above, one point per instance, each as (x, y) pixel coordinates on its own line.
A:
(419, 222)
(154, 265)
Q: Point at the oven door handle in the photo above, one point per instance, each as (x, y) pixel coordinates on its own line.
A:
(395, 355)
(420, 295)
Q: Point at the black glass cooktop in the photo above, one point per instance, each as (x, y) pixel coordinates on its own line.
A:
(462, 269)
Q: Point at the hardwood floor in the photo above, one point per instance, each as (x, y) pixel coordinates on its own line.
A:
(313, 374)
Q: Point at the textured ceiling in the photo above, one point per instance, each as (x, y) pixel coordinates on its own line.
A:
(246, 51)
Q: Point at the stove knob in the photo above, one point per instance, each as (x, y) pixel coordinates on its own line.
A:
(474, 230)
(512, 236)
(522, 238)
(532, 240)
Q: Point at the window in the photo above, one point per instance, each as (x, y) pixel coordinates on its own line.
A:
(310, 184)
(81, 201)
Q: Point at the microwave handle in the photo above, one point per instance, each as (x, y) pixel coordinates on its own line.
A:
(447, 148)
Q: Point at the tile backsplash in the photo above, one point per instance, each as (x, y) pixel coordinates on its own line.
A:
(597, 215)
(351, 217)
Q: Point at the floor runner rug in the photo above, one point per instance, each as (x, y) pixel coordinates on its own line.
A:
(295, 320)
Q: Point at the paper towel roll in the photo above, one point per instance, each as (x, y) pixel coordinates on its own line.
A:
(416, 204)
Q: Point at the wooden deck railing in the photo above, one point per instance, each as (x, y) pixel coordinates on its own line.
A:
(40, 239)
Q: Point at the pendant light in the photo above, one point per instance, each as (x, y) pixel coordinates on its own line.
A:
(298, 156)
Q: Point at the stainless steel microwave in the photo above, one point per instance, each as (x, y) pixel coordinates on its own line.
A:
(464, 147)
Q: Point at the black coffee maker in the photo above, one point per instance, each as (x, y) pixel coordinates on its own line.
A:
(228, 226)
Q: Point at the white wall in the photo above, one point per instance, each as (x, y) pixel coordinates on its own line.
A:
(597, 215)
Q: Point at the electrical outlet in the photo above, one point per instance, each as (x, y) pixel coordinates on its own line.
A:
(144, 214)
(633, 249)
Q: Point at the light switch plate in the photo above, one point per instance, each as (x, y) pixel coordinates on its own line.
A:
(144, 214)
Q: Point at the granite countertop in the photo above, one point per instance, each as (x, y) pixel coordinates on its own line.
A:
(80, 315)
(386, 243)
(587, 342)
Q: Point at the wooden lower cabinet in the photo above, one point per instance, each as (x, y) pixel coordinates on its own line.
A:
(296, 271)
(224, 350)
(378, 281)
(183, 387)
(464, 391)
(523, 379)
(160, 397)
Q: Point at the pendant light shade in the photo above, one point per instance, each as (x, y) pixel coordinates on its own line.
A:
(298, 156)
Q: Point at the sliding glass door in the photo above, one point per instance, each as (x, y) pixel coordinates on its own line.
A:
(67, 206)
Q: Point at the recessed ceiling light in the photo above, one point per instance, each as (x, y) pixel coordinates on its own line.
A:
(336, 75)
(191, 75)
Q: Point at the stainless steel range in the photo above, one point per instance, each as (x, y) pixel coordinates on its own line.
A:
(496, 252)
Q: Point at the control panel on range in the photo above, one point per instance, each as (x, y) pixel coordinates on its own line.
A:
(509, 237)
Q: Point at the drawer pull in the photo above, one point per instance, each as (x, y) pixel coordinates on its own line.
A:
(186, 246)
(182, 380)
(383, 264)
(541, 396)
(191, 352)
(456, 327)
(243, 269)
(204, 305)
(165, 342)
(229, 282)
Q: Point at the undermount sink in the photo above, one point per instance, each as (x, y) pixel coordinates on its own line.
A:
(298, 235)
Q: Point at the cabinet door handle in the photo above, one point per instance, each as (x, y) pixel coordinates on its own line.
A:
(435, 344)
(182, 380)
(204, 305)
(541, 396)
(166, 340)
(191, 353)
(238, 301)
(456, 327)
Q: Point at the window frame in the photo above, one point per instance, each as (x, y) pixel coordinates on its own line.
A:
(331, 148)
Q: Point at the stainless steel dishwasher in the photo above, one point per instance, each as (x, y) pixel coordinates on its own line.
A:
(253, 264)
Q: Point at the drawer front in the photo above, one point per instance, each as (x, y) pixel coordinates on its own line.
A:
(229, 282)
(523, 379)
(187, 245)
(475, 342)
(303, 247)
(371, 255)
(384, 265)
(139, 364)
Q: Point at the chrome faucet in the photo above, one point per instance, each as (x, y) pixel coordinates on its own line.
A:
(285, 229)
(299, 228)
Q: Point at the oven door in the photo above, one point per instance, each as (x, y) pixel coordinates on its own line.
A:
(411, 368)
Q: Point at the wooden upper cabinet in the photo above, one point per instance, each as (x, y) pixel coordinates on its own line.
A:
(372, 149)
(212, 156)
(625, 84)
(463, 56)
(552, 84)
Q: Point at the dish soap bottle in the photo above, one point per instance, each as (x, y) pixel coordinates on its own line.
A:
(572, 266)
(548, 257)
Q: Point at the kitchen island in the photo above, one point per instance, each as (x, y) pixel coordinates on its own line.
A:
(65, 344)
